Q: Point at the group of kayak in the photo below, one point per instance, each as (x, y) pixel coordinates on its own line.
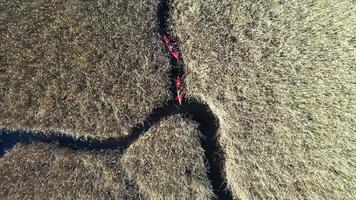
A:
(172, 47)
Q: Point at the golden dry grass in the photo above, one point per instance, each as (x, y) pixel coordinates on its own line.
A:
(168, 161)
(44, 171)
(89, 68)
(280, 76)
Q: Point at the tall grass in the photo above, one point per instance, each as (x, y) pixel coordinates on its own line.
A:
(88, 68)
(168, 161)
(280, 76)
(45, 171)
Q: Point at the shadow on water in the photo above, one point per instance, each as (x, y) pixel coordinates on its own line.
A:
(198, 112)
(162, 17)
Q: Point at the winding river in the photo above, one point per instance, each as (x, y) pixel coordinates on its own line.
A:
(198, 112)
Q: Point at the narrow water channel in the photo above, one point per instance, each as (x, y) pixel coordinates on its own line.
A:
(198, 112)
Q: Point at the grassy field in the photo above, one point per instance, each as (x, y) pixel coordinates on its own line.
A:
(165, 163)
(87, 68)
(280, 76)
(168, 161)
(44, 171)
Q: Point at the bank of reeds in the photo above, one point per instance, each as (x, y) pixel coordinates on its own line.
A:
(280, 76)
(87, 68)
(168, 161)
(45, 171)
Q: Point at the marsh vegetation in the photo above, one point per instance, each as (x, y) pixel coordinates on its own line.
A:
(86, 68)
(278, 77)
(46, 171)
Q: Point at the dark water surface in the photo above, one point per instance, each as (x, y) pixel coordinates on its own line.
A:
(198, 112)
